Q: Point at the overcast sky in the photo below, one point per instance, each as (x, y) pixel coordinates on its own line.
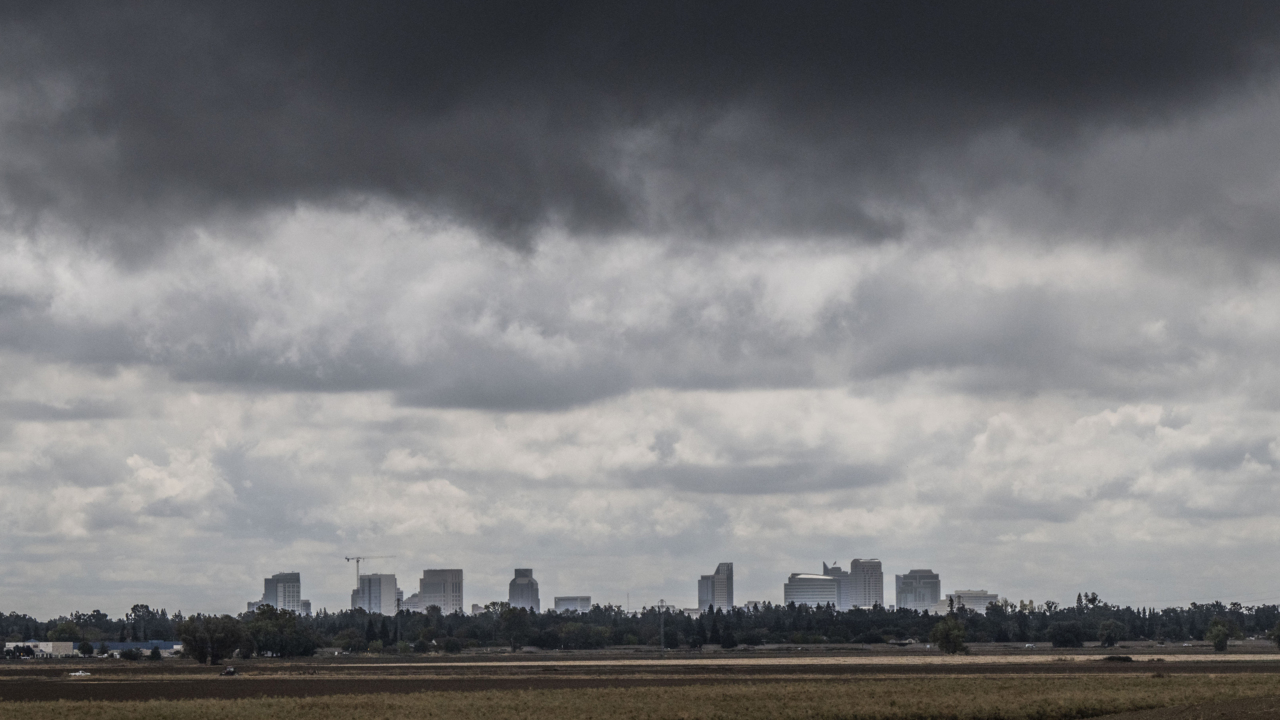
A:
(622, 291)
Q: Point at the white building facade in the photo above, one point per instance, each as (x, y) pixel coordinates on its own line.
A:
(579, 603)
(809, 589)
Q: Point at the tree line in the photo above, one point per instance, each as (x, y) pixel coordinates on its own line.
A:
(275, 633)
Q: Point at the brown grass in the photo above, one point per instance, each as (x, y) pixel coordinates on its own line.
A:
(985, 698)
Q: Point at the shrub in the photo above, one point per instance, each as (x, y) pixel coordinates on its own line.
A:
(727, 640)
(452, 645)
(131, 654)
(155, 654)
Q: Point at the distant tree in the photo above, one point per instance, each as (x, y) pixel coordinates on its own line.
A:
(86, 648)
(1221, 630)
(452, 645)
(727, 640)
(1275, 634)
(351, 640)
(516, 626)
(949, 635)
(64, 632)
(131, 654)
(422, 646)
(155, 654)
(715, 631)
(103, 649)
(279, 633)
(1066, 634)
(1110, 632)
(210, 638)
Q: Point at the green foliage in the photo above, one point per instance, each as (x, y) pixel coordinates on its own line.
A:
(351, 640)
(64, 632)
(949, 635)
(1068, 634)
(85, 648)
(1110, 632)
(1221, 630)
(452, 646)
(210, 638)
(727, 640)
(155, 654)
(131, 654)
(280, 633)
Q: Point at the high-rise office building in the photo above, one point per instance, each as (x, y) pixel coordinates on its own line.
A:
(523, 591)
(861, 587)
(580, 603)
(716, 590)
(441, 588)
(377, 593)
(283, 591)
(866, 583)
(809, 589)
(918, 590)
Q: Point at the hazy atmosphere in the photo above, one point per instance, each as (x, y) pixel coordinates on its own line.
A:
(620, 291)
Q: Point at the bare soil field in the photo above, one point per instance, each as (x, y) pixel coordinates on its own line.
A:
(1022, 697)
(185, 680)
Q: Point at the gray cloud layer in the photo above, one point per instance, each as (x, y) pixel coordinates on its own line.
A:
(984, 287)
(701, 119)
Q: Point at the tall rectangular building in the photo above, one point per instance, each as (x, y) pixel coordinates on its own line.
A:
(283, 591)
(441, 588)
(918, 590)
(866, 583)
(377, 593)
(523, 591)
(716, 590)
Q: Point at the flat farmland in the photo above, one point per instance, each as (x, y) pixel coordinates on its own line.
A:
(738, 686)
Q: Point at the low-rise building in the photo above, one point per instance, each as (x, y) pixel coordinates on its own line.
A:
(810, 589)
(976, 600)
(45, 648)
(579, 603)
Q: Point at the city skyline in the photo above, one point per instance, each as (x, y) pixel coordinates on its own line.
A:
(619, 291)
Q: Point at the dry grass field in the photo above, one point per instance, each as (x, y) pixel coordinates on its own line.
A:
(1035, 696)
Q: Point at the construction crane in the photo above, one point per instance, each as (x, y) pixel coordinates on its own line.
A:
(366, 557)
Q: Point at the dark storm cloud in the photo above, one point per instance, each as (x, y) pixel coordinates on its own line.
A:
(134, 121)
